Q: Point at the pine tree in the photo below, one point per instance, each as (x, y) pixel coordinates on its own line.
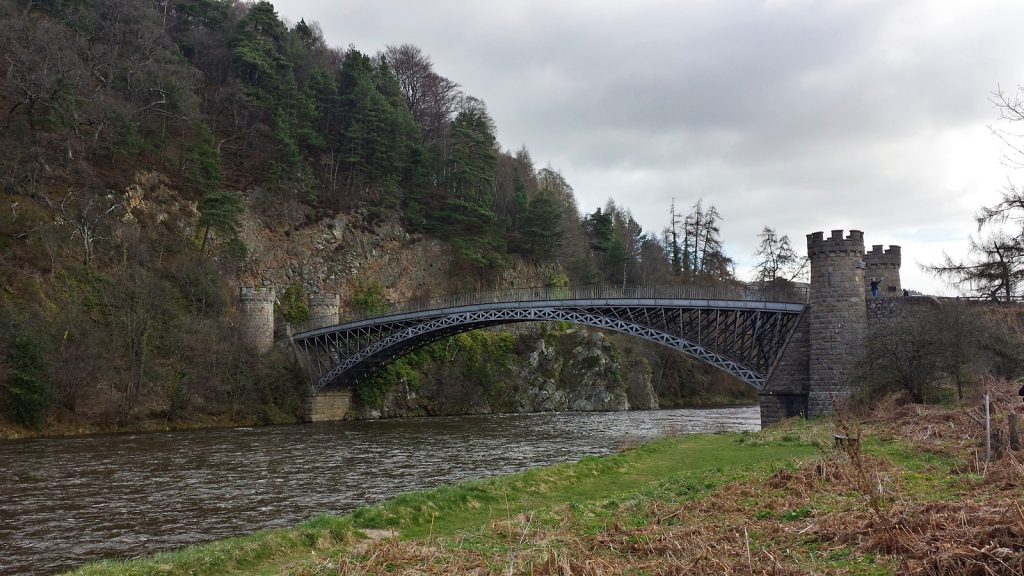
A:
(675, 251)
(220, 212)
(775, 259)
(473, 158)
(542, 234)
(703, 254)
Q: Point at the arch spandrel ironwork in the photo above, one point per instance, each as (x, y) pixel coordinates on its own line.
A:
(743, 337)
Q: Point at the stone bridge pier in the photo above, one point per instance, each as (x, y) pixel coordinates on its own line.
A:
(326, 405)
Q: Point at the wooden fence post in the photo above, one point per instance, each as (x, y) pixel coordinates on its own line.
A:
(988, 431)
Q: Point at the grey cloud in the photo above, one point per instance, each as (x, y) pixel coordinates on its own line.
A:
(803, 115)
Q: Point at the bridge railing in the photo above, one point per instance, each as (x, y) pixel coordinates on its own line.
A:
(750, 293)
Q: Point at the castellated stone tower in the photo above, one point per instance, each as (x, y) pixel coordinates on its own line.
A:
(884, 265)
(257, 306)
(838, 316)
(323, 310)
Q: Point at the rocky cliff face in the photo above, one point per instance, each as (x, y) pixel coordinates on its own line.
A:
(546, 371)
(340, 253)
(579, 371)
(337, 254)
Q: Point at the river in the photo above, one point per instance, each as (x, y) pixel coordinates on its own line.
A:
(66, 501)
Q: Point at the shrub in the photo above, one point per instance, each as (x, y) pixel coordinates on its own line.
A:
(293, 305)
(369, 298)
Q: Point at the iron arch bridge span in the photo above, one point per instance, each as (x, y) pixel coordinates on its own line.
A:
(741, 337)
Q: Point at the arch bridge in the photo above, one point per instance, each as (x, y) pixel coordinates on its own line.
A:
(740, 330)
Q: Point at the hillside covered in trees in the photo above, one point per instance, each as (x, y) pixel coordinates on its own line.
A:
(151, 151)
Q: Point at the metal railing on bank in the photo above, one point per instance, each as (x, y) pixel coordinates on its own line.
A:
(747, 293)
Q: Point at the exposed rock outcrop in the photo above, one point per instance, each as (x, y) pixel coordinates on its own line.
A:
(547, 371)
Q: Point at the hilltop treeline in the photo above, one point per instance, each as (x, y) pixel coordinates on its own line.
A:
(218, 110)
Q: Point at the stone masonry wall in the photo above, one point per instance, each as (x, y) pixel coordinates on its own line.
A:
(881, 309)
(785, 393)
(257, 307)
(838, 316)
(814, 372)
(328, 405)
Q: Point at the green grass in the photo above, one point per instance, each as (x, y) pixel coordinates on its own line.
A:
(695, 464)
(234, 555)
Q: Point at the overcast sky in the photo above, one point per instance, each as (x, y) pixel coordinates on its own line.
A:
(802, 115)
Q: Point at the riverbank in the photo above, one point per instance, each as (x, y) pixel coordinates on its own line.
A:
(909, 497)
(64, 429)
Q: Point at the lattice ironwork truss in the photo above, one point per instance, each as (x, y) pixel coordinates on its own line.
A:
(744, 339)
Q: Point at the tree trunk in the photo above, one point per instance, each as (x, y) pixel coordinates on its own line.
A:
(206, 237)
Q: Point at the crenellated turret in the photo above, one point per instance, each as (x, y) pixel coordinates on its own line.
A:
(885, 266)
(323, 309)
(818, 245)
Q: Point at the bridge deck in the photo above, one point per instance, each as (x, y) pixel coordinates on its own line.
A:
(790, 307)
(695, 292)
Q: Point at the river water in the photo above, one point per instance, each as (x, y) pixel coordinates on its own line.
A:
(66, 501)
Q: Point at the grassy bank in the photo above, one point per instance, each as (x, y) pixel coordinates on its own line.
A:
(908, 499)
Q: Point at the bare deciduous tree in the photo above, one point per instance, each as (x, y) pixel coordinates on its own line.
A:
(88, 219)
(923, 351)
(432, 99)
(411, 68)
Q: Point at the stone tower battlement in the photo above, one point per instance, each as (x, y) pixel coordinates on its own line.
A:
(879, 258)
(885, 266)
(817, 244)
(817, 371)
(247, 294)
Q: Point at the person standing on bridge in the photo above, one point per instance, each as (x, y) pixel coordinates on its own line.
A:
(874, 287)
